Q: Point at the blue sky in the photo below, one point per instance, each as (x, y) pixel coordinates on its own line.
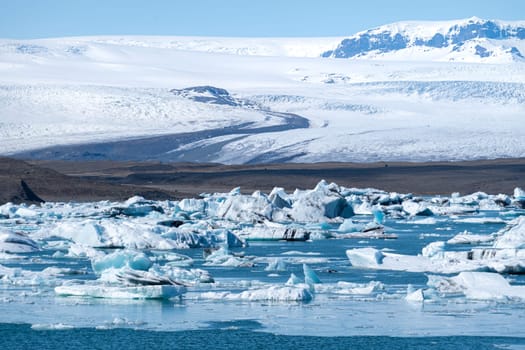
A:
(54, 18)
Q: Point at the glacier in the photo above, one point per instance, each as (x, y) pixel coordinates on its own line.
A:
(106, 97)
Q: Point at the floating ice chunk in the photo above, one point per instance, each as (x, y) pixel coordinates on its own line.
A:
(136, 206)
(229, 238)
(187, 277)
(144, 278)
(51, 327)
(246, 208)
(519, 194)
(434, 250)
(512, 236)
(349, 288)
(310, 277)
(20, 277)
(14, 242)
(134, 200)
(478, 285)
(86, 233)
(425, 221)
(295, 293)
(279, 198)
(379, 216)
(275, 233)
(172, 258)
(115, 233)
(223, 257)
(23, 212)
(119, 259)
(276, 264)
(481, 220)
(193, 205)
(286, 293)
(416, 296)
(119, 292)
(293, 280)
(365, 257)
(455, 209)
(416, 209)
(79, 250)
(348, 226)
(322, 203)
(469, 238)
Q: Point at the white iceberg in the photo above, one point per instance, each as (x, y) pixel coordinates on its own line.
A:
(478, 285)
(294, 293)
(223, 257)
(121, 292)
(469, 238)
(245, 208)
(14, 242)
(115, 233)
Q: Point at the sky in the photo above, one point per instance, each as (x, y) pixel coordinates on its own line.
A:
(27, 19)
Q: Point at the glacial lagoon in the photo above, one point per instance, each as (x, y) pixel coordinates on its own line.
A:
(329, 265)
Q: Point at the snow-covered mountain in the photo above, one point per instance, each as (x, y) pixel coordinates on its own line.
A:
(470, 40)
(242, 100)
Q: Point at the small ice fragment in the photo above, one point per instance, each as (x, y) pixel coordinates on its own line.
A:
(415, 296)
(117, 292)
(310, 277)
(379, 216)
(365, 257)
(293, 280)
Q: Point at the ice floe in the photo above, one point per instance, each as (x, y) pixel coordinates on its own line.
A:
(477, 285)
(121, 292)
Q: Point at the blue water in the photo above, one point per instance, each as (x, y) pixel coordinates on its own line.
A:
(228, 336)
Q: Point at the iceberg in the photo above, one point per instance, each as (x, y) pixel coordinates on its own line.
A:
(120, 259)
(323, 202)
(276, 264)
(293, 280)
(415, 296)
(416, 209)
(121, 292)
(469, 238)
(14, 242)
(365, 257)
(512, 236)
(245, 208)
(275, 233)
(136, 206)
(505, 255)
(310, 277)
(294, 293)
(115, 233)
(223, 257)
(478, 285)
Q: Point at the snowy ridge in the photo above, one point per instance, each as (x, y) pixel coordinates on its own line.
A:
(468, 40)
(288, 47)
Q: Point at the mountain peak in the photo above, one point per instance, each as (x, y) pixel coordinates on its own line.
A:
(475, 38)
